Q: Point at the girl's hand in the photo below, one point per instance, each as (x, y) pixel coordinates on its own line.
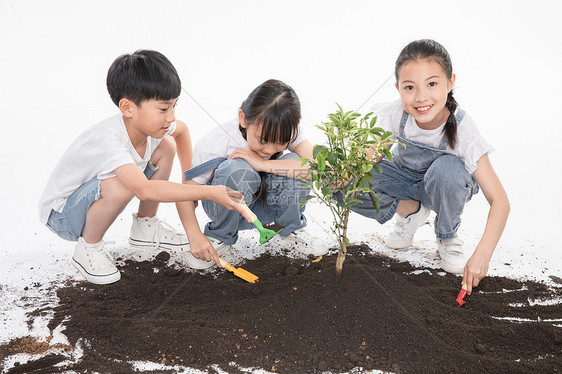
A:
(255, 160)
(202, 248)
(475, 269)
(230, 199)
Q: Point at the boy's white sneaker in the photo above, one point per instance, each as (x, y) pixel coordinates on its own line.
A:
(95, 264)
(155, 233)
(453, 257)
(222, 249)
(304, 242)
(405, 228)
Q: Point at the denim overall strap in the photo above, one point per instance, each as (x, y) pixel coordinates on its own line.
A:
(417, 157)
(444, 143)
(204, 167)
(403, 121)
(408, 142)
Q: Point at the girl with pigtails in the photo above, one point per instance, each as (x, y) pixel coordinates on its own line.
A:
(443, 163)
(257, 153)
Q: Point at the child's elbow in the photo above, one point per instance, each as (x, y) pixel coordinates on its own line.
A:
(505, 205)
(144, 193)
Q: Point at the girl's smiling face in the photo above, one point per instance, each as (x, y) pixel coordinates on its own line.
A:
(423, 88)
(254, 139)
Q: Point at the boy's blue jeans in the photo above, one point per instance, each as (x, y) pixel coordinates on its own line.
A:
(69, 224)
(444, 187)
(281, 205)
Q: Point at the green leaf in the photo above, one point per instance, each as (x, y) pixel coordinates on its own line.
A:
(304, 161)
(317, 149)
(321, 162)
(388, 154)
(387, 135)
(373, 122)
(364, 189)
(353, 202)
(375, 201)
(364, 180)
(327, 191)
(304, 200)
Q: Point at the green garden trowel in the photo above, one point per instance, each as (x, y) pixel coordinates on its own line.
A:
(265, 234)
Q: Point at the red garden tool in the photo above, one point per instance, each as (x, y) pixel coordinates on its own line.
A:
(461, 295)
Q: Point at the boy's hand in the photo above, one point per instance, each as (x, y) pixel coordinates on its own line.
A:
(202, 248)
(475, 269)
(255, 160)
(231, 200)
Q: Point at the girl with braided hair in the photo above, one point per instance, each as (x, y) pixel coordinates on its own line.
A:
(443, 163)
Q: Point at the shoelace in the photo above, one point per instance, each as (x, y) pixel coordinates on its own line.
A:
(162, 227)
(102, 251)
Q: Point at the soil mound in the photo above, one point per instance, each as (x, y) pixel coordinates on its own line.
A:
(301, 318)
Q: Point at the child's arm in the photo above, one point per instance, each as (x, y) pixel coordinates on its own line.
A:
(477, 266)
(184, 148)
(291, 168)
(165, 191)
(200, 246)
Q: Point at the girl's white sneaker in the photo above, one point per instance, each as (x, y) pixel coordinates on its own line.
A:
(155, 233)
(405, 228)
(304, 242)
(95, 264)
(453, 257)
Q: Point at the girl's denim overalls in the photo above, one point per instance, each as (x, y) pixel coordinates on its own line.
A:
(426, 174)
(281, 206)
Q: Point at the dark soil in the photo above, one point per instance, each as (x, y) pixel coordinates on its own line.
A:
(301, 318)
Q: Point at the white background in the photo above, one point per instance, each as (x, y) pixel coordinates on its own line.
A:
(507, 55)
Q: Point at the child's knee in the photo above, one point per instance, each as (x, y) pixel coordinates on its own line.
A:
(237, 174)
(448, 172)
(112, 190)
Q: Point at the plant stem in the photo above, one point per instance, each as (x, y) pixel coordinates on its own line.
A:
(343, 246)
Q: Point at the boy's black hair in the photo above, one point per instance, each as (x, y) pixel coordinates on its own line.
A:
(142, 75)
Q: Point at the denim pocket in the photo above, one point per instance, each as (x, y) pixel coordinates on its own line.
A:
(472, 188)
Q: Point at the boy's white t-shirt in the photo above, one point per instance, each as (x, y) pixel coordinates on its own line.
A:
(221, 141)
(470, 144)
(97, 152)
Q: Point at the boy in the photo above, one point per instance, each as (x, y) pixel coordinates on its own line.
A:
(129, 154)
